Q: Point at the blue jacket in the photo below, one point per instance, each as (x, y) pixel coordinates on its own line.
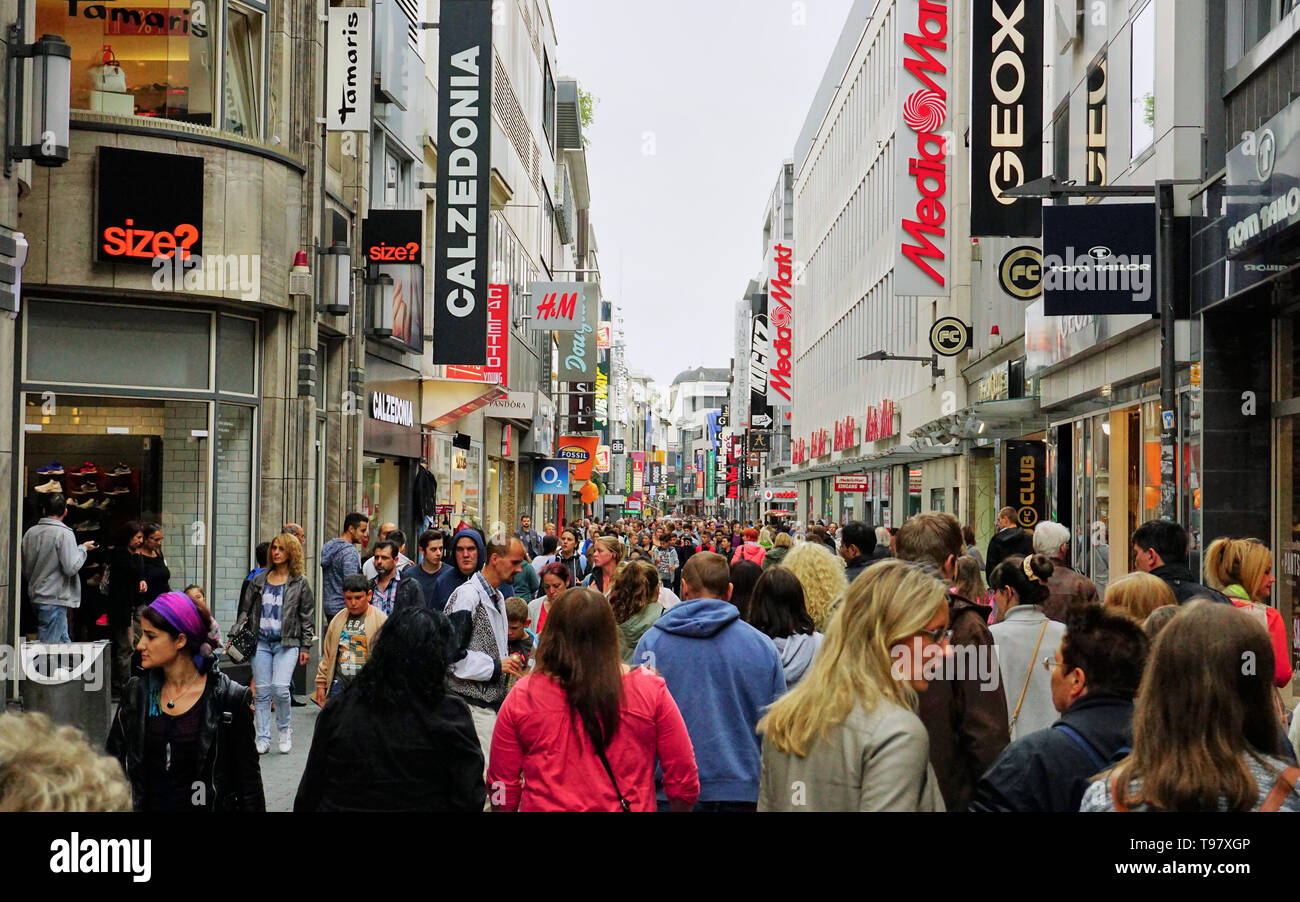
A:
(450, 579)
(723, 674)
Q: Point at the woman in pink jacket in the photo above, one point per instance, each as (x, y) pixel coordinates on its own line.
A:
(749, 550)
(583, 731)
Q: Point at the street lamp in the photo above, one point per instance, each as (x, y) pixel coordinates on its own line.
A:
(932, 361)
(336, 279)
(51, 58)
(379, 292)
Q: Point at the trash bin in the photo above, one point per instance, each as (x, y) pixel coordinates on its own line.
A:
(69, 682)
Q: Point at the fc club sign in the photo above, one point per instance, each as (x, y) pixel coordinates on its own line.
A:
(460, 310)
(1006, 115)
(921, 266)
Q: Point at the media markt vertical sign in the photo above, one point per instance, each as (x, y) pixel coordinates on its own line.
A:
(460, 278)
(780, 323)
(923, 139)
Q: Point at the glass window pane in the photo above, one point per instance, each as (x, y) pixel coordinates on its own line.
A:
(237, 355)
(101, 344)
(156, 60)
(232, 536)
(1143, 64)
(243, 108)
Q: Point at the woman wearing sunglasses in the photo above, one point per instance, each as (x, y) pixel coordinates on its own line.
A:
(847, 738)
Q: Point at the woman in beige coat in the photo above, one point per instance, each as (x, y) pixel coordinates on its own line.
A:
(847, 738)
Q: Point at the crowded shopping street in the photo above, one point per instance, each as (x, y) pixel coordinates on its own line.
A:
(727, 407)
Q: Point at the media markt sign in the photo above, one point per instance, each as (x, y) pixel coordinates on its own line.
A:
(388, 409)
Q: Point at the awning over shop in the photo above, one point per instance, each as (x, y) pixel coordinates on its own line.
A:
(1008, 418)
(444, 401)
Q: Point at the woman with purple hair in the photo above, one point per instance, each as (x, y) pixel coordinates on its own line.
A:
(183, 731)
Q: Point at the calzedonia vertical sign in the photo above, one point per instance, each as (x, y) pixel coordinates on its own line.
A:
(460, 309)
(923, 138)
(1006, 115)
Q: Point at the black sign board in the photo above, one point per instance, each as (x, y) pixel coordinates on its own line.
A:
(618, 446)
(760, 350)
(950, 336)
(393, 236)
(724, 418)
(149, 205)
(1006, 115)
(1099, 258)
(1026, 482)
(460, 278)
(758, 442)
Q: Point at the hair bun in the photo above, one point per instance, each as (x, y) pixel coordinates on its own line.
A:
(1038, 568)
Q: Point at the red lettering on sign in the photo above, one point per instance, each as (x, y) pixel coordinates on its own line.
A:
(147, 244)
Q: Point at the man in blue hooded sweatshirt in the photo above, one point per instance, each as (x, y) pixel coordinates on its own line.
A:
(468, 555)
(722, 673)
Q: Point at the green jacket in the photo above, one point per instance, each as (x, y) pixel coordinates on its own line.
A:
(631, 630)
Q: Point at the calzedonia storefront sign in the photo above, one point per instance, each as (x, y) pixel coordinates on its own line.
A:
(388, 409)
(149, 205)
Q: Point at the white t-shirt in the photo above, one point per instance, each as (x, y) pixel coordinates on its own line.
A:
(668, 598)
(541, 561)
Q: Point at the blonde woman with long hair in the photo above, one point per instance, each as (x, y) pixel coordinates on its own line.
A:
(278, 602)
(848, 735)
(606, 558)
(1242, 569)
(822, 576)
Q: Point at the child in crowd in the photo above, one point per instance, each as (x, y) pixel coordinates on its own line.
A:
(200, 599)
(520, 640)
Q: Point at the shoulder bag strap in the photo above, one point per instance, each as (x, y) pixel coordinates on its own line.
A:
(1033, 662)
(1082, 743)
(627, 807)
(1281, 789)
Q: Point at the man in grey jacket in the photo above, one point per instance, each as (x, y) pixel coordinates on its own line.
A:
(51, 561)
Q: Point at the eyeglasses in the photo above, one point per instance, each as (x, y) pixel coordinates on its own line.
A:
(1049, 664)
(935, 635)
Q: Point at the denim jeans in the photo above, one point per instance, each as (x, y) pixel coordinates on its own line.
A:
(273, 666)
(52, 623)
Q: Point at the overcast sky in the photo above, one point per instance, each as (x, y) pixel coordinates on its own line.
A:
(700, 101)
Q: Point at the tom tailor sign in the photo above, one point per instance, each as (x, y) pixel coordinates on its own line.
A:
(1006, 115)
(464, 161)
(1099, 258)
(921, 264)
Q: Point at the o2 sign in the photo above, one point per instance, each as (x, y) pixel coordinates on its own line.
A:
(149, 205)
(551, 477)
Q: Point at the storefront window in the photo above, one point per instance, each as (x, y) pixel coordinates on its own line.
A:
(161, 60)
(232, 540)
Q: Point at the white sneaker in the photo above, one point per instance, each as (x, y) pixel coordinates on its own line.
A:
(263, 746)
(286, 745)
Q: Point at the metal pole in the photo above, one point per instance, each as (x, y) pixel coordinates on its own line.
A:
(1168, 363)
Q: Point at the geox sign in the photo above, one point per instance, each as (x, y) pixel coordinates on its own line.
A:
(460, 310)
(921, 265)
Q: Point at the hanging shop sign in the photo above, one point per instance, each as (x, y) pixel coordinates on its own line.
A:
(758, 442)
(497, 368)
(602, 459)
(577, 348)
(1100, 259)
(851, 484)
(541, 438)
(392, 236)
(914, 481)
(134, 226)
(602, 395)
(348, 70)
(780, 321)
(460, 276)
(603, 336)
(1096, 126)
(551, 477)
(618, 446)
(1006, 123)
(996, 384)
(1021, 272)
(558, 306)
(921, 262)
(638, 472)
(580, 452)
(1026, 482)
(949, 336)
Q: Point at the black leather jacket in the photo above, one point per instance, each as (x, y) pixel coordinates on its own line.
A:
(231, 774)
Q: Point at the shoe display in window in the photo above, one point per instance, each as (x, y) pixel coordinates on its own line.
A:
(120, 490)
(120, 470)
(86, 469)
(102, 505)
(88, 526)
(88, 488)
(53, 468)
(50, 487)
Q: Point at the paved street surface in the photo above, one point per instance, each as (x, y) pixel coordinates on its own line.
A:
(281, 773)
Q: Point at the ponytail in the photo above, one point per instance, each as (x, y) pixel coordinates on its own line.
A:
(1028, 576)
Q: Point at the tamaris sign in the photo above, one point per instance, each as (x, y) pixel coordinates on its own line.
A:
(460, 288)
(780, 315)
(921, 264)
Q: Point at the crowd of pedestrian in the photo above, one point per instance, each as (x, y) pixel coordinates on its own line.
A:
(706, 665)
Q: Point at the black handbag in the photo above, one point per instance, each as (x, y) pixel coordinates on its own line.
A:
(242, 643)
